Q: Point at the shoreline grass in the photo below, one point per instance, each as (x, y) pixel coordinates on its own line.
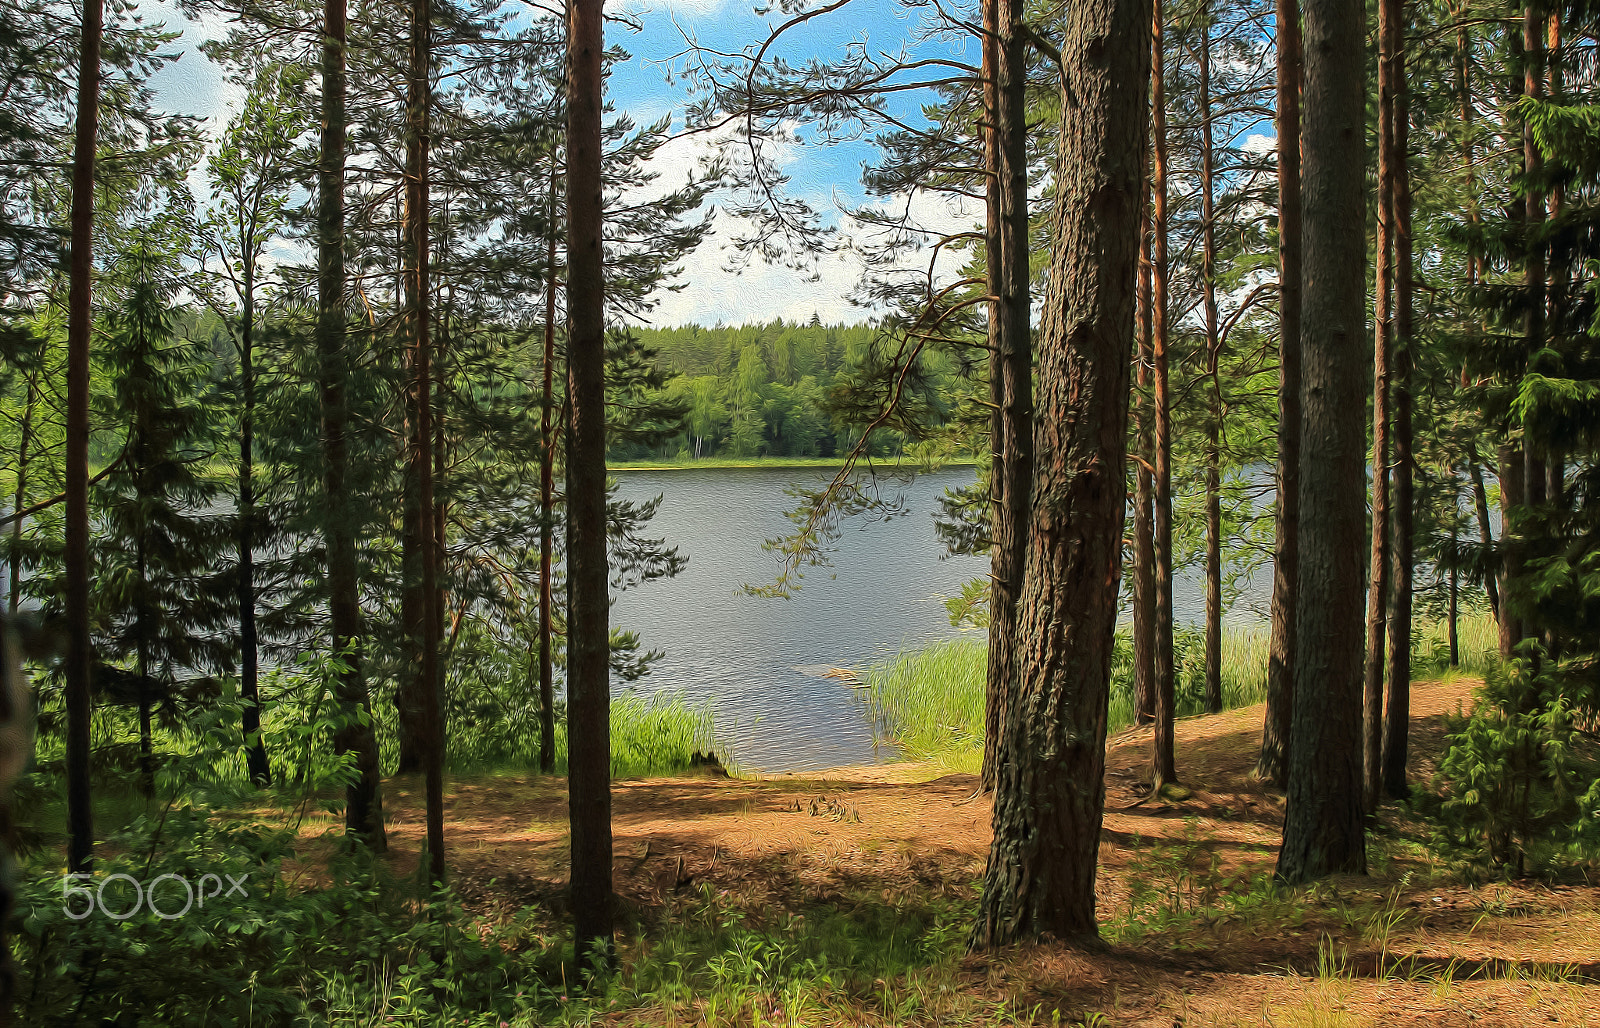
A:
(930, 701)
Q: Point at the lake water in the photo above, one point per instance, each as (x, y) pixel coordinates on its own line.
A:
(760, 661)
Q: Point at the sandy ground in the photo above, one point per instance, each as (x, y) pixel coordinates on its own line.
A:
(1493, 955)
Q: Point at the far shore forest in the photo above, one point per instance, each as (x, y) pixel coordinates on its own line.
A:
(309, 541)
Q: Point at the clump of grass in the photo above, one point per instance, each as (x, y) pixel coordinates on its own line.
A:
(1477, 640)
(930, 701)
(652, 735)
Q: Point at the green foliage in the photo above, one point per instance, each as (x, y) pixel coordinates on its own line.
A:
(1521, 773)
(930, 701)
(766, 390)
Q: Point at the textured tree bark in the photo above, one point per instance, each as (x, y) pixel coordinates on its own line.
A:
(1213, 452)
(418, 174)
(1323, 831)
(1163, 763)
(1144, 572)
(547, 464)
(1382, 350)
(363, 817)
(1049, 794)
(1397, 725)
(79, 704)
(1010, 330)
(588, 617)
(1272, 765)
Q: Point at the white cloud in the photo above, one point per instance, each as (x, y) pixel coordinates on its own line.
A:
(714, 293)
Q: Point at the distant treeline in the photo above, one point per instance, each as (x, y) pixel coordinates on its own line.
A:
(764, 390)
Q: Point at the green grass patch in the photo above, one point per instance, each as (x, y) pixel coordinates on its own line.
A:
(930, 701)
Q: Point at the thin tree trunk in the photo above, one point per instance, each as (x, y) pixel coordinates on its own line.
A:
(255, 748)
(588, 642)
(20, 493)
(1163, 763)
(1049, 795)
(1480, 504)
(1213, 452)
(1272, 765)
(1383, 345)
(1511, 497)
(1144, 573)
(1398, 723)
(1002, 590)
(79, 704)
(147, 771)
(1323, 831)
(547, 463)
(422, 447)
(363, 797)
(1455, 606)
(1006, 146)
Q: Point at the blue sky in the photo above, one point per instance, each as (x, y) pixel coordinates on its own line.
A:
(823, 174)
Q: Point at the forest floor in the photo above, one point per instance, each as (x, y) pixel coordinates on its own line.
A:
(1197, 934)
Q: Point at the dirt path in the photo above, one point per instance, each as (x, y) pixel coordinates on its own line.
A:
(1487, 956)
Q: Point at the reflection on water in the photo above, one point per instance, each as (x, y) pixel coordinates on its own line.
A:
(762, 663)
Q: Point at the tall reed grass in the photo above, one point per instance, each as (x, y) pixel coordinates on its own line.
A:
(930, 701)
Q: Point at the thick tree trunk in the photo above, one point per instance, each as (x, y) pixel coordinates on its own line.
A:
(1010, 328)
(1144, 552)
(1323, 831)
(547, 464)
(1213, 452)
(1272, 765)
(1163, 763)
(1049, 794)
(80, 815)
(363, 798)
(588, 611)
(1382, 349)
(1398, 724)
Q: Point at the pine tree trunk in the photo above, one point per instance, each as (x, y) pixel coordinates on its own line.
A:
(588, 613)
(1049, 793)
(20, 492)
(1511, 497)
(363, 797)
(1323, 831)
(255, 748)
(1163, 763)
(422, 454)
(1398, 724)
(1480, 504)
(1144, 572)
(1272, 765)
(1010, 320)
(1383, 344)
(1213, 453)
(547, 463)
(79, 704)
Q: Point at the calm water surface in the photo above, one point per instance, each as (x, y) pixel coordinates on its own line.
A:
(759, 662)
